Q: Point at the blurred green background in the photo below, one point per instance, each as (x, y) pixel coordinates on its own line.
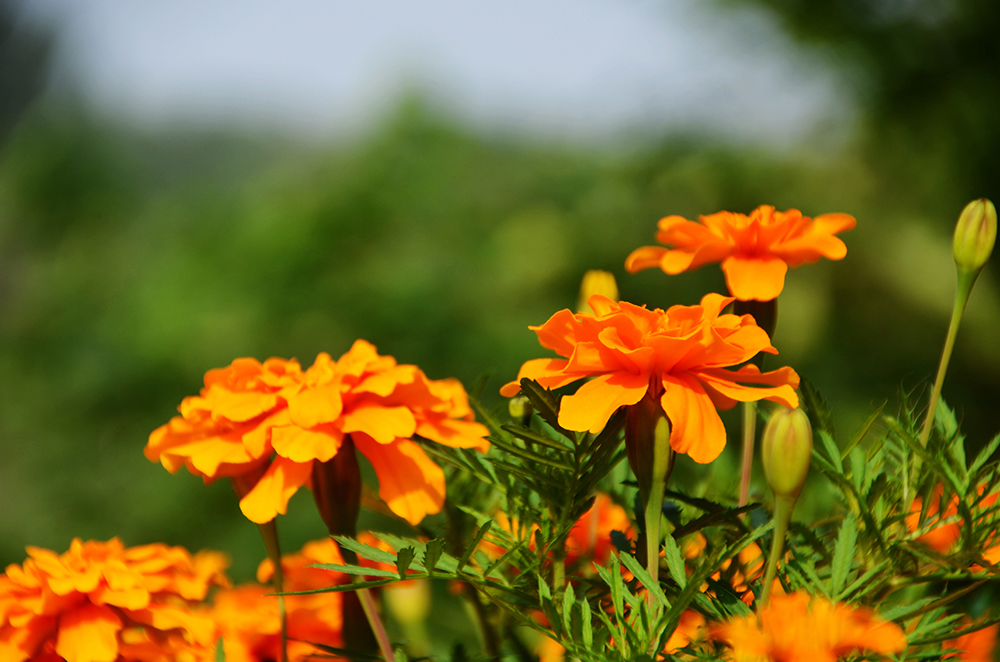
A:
(134, 259)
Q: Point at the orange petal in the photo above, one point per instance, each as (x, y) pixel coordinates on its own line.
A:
(695, 426)
(781, 390)
(594, 402)
(89, 634)
(237, 407)
(409, 482)
(383, 424)
(756, 278)
(644, 258)
(269, 497)
(299, 445)
(547, 372)
(312, 406)
(456, 433)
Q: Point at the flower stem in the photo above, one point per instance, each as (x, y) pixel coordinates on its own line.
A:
(269, 532)
(662, 459)
(965, 281)
(368, 605)
(749, 434)
(782, 516)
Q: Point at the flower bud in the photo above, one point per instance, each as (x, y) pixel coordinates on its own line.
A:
(519, 407)
(975, 234)
(596, 281)
(786, 448)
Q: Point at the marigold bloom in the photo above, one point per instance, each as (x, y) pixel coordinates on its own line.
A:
(590, 537)
(101, 602)
(268, 423)
(755, 250)
(800, 628)
(678, 356)
(976, 646)
(248, 615)
(942, 537)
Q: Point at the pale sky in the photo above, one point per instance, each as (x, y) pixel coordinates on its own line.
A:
(574, 68)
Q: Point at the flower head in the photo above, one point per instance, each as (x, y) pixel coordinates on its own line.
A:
(101, 602)
(755, 250)
(267, 423)
(590, 537)
(249, 620)
(679, 356)
(799, 628)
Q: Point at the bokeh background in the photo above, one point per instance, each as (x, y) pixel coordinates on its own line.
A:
(186, 183)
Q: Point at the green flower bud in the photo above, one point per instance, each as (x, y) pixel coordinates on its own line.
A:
(975, 234)
(519, 407)
(786, 448)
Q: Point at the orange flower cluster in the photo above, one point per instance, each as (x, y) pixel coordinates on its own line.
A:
(678, 356)
(590, 537)
(101, 602)
(755, 250)
(800, 628)
(248, 615)
(267, 424)
(978, 646)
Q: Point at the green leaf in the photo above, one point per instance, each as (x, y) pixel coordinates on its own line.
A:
(985, 455)
(843, 554)
(816, 408)
(366, 551)
(652, 585)
(348, 569)
(862, 431)
(569, 599)
(588, 628)
(832, 452)
(403, 560)
(731, 515)
(545, 403)
(531, 436)
(432, 553)
(543, 589)
(675, 563)
(220, 651)
(944, 420)
(483, 530)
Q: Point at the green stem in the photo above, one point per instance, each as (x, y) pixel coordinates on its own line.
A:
(269, 532)
(749, 434)
(965, 281)
(662, 456)
(368, 605)
(783, 507)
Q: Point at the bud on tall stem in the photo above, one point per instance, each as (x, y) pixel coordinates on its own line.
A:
(786, 452)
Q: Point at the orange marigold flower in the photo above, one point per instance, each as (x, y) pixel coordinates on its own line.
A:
(976, 646)
(800, 628)
(677, 356)
(590, 537)
(690, 629)
(755, 250)
(101, 602)
(267, 423)
(942, 530)
(248, 615)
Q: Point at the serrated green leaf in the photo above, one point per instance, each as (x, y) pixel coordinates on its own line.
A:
(366, 551)
(543, 589)
(985, 455)
(404, 558)
(587, 628)
(843, 554)
(816, 407)
(831, 450)
(862, 431)
(529, 435)
(652, 585)
(545, 403)
(944, 420)
(220, 651)
(483, 530)
(569, 599)
(675, 563)
(432, 553)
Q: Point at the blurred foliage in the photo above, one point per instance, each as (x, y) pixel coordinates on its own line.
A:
(132, 262)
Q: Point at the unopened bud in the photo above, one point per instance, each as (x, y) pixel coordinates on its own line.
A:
(596, 281)
(786, 448)
(519, 407)
(975, 234)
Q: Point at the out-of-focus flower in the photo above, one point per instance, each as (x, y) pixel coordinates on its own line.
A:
(690, 629)
(594, 282)
(976, 646)
(267, 424)
(590, 537)
(941, 537)
(101, 602)
(677, 357)
(755, 250)
(800, 628)
(248, 615)
(746, 567)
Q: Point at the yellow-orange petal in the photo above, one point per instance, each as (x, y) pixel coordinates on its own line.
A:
(383, 424)
(89, 634)
(754, 278)
(547, 372)
(409, 482)
(312, 406)
(695, 426)
(726, 383)
(269, 497)
(299, 445)
(644, 258)
(456, 433)
(234, 406)
(593, 404)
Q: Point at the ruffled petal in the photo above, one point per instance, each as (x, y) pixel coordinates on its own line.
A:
(89, 634)
(409, 482)
(756, 278)
(455, 433)
(299, 445)
(779, 384)
(312, 406)
(383, 424)
(645, 258)
(550, 373)
(269, 497)
(593, 404)
(695, 427)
